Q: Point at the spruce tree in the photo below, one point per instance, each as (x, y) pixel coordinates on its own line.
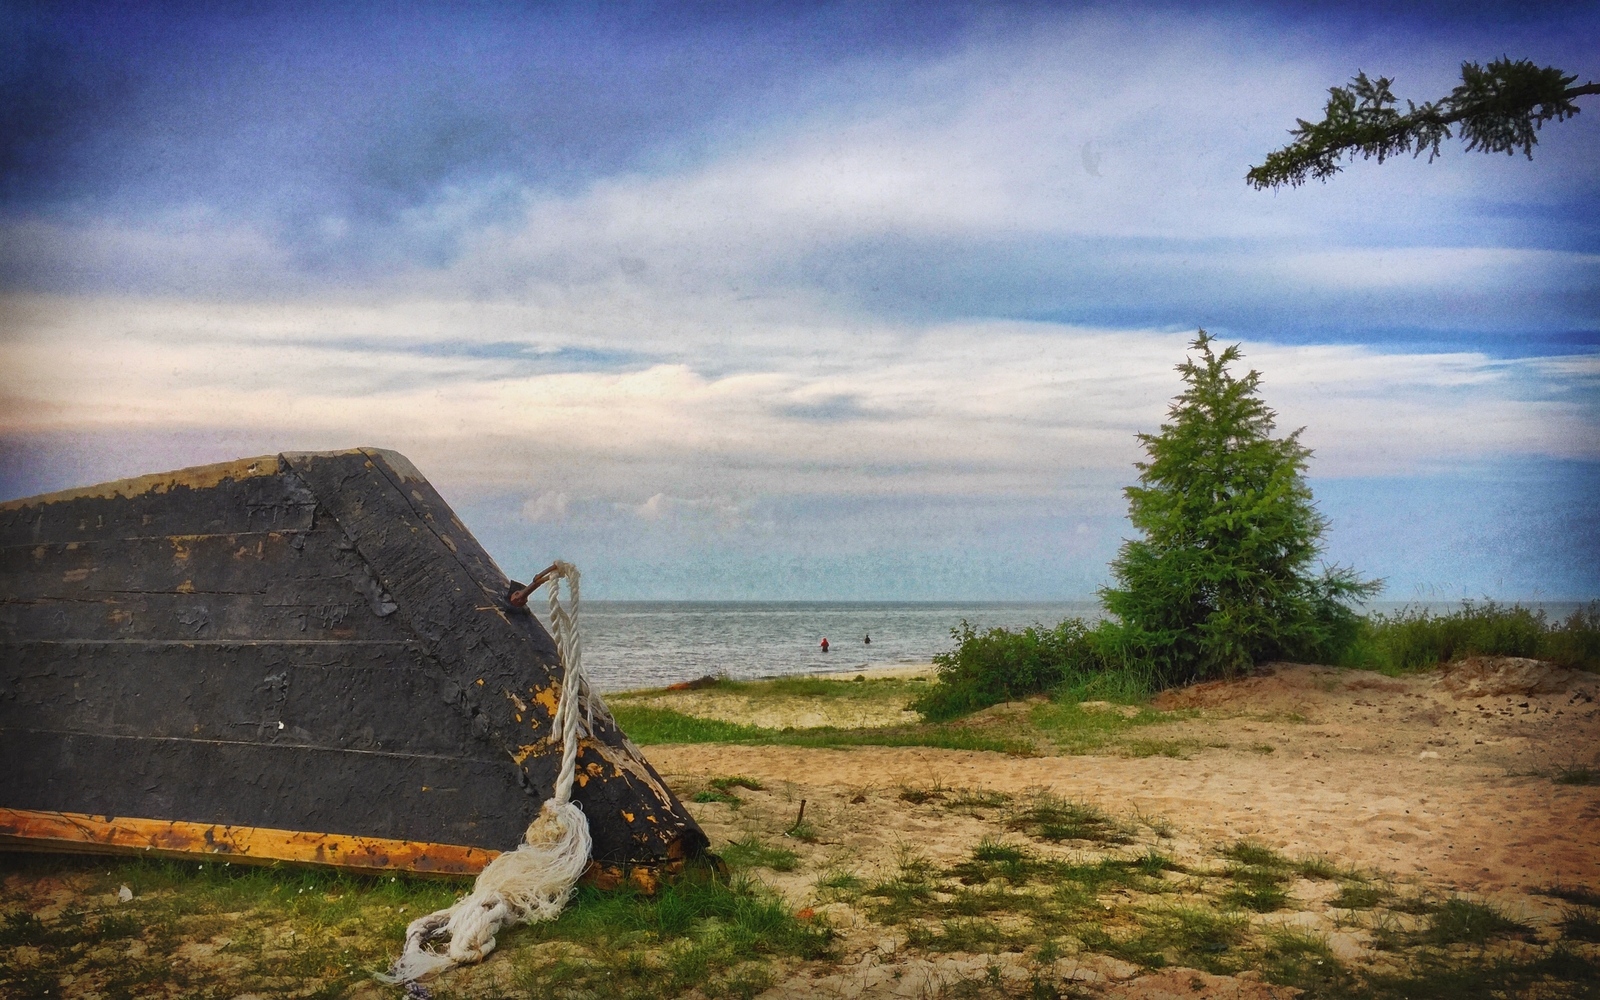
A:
(1498, 108)
(1222, 575)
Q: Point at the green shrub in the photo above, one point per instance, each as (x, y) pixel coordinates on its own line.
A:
(1415, 638)
(987, 668)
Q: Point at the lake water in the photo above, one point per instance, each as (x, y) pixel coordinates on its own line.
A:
(635, 644)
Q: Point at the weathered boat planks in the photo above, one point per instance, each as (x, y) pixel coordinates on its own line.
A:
(301, 657)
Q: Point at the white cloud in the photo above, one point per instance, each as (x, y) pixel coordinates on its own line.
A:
(945, 408)
(549, 506)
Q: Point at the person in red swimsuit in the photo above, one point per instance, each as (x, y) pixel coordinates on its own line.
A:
(824, 644)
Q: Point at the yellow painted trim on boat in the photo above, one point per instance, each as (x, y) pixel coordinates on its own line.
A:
(29, 829)
(200, 477)
(81, 833)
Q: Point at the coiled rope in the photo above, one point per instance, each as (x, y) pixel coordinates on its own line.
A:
(534, 881)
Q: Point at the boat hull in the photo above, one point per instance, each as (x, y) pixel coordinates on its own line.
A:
(301, 657)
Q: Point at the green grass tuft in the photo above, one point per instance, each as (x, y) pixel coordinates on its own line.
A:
(1302, 959)
(918, 795)
(1049, 817)
(1580, 774)
(1466, 921)
(1249, 852)
(1561, 973)
(1354, 896)
(1578, 894)
(1581, 923)
(840, 882)
(1319, 868)
(752, 853)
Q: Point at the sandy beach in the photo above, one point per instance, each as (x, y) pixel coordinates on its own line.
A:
(1439, 783)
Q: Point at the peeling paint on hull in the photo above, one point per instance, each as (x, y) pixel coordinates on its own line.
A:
(300, 650)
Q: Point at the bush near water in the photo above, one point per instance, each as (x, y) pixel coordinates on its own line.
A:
(1075, 661)
(1221, 578)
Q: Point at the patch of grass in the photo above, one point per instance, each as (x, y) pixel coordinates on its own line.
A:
(1579, 774)
(992, 859)
(802, 830)
(1415, 639)
(1154, 863)
(1049, 817)
(1250, 852)
(1254, 889)
(970, 800)
(343, 926)
(721, 790)
(1186, 935)
(701, 932)
(1157, 825)
(1387, 932)
(1175, 749)
(648, 726)
(905, 894)
(1581, 923)
(1318, 868)
(1558, 975)
(1419, 906)
(316, 933)
(1581, 895)
(1302, 959)
(1258, 876)
(1076, 730)
(1262, 748)
(917, 795)
(1354, 896)
(752, 853)
(841, 883)
(1466, 921)
(967, 934)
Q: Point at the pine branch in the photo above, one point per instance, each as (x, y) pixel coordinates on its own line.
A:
(1498, 108)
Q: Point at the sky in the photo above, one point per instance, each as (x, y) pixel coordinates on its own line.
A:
(801, 301)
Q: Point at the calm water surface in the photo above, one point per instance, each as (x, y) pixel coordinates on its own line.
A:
(635, 644)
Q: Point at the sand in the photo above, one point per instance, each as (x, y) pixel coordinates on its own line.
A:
(1409, 776)
(1441, 781)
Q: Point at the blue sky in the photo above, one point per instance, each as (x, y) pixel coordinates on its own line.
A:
(799, 301)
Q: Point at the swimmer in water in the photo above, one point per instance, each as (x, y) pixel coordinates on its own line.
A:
(824, 644)
(867, 640)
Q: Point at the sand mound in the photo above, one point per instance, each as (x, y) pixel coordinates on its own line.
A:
(1494, 676)
(1284, 686)
(1271, 684)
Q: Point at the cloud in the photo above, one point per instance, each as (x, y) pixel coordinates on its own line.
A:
(549, 506)
(973, 408)
(937, 187)
(682, 317)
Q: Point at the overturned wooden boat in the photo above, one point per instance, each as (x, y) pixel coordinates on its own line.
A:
(300, 657)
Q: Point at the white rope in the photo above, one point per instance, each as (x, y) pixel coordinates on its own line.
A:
(534, 881)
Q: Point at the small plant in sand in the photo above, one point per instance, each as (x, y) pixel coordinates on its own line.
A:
(752, 853)
(1050, 817)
